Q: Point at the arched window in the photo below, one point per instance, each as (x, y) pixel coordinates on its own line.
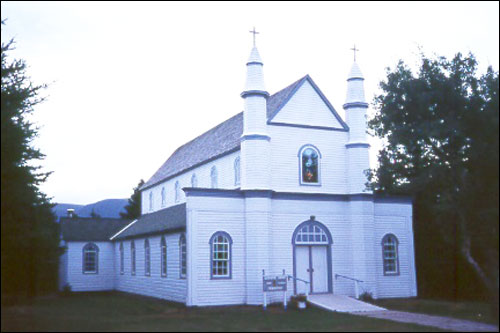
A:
(194, 180)
(122, 260)
(311, 233)
(163, 197)
(182, 256)
(237, 171)
(163, 250)
(390, 254)
(132, 258)
(177, 191)
(147, 258)
(220, 255)
(213, 177)
(309, 164)
(151, 201)
(90, 259)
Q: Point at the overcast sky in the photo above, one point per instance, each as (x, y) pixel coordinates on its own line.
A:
(131, 82)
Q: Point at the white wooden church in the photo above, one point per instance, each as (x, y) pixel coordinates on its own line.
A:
(280, 186)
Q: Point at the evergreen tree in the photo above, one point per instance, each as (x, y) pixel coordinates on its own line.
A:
(94, 215)
(440, 128)
(29, 232)
(133, 208)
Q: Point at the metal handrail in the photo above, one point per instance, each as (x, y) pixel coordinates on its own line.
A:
(347, 277)
(298, 279)
(356, 283)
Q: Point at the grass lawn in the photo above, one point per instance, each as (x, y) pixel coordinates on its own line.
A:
(114, 311)
(475, 311)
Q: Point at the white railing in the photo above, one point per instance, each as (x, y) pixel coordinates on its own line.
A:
(356, 283)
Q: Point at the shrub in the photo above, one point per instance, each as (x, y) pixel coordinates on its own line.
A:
(366, 297)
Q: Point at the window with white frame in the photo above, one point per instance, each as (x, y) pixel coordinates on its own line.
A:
(177, 191)
(132, 258)
(194, 180)
(220, 255)
(147, 258)
(90, 259)
(309, 164)
(237, 171)
(151, 201)
(213, 177)
(122, 260)
(183, 256)
(390, 254)
(163, 197)
(311, 234)
(163, 249)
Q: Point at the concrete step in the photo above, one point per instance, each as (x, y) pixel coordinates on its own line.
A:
(341, 303)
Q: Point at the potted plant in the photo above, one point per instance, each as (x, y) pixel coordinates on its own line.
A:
(301, 301)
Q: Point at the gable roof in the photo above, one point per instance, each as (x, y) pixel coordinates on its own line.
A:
(225, 137)
(80, 229)
(169, 219)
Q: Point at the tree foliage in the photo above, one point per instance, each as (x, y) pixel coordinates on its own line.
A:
(440, 129)
(29, 232)
(133, 208)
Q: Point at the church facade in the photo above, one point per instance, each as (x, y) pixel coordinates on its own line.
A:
(278, 187)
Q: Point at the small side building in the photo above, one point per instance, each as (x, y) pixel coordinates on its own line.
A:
(87, 263)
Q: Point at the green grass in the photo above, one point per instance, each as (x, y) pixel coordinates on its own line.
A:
(115, 311)
(475, 311)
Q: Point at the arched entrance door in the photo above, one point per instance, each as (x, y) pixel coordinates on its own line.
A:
(312, 260)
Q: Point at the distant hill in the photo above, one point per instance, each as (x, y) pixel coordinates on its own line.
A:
(61, 209)
(109, 208)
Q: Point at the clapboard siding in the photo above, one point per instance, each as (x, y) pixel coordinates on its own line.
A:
(225, 180)
(285, 145)
(103, 280)
(288, 214)
(171, 287)
(395, 218)
(306, 108)
(207, 216)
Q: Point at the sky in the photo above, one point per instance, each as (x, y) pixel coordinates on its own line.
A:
(129, 82)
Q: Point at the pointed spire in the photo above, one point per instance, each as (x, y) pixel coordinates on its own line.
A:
(254, 57)
(255, 74)
(355, 72)
(355, 86)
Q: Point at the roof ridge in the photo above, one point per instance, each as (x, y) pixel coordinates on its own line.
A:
(206, 147)
(213, 128)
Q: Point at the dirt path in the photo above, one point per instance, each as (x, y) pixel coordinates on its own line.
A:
(445, 323)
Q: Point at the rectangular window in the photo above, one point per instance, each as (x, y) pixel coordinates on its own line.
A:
(183, 255)
(132, 252)
(147, 262)
(164, 260)
(220, 264)
(122, 260)
(390, 255)
(90, 262)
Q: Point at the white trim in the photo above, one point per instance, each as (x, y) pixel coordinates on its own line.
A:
(125, 228)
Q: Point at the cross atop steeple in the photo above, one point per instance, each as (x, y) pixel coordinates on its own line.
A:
(254, 33)
(355, 49)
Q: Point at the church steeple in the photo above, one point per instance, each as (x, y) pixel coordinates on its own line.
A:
(255, 75)
(355, 105)
(358, 147)
(255, 139)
